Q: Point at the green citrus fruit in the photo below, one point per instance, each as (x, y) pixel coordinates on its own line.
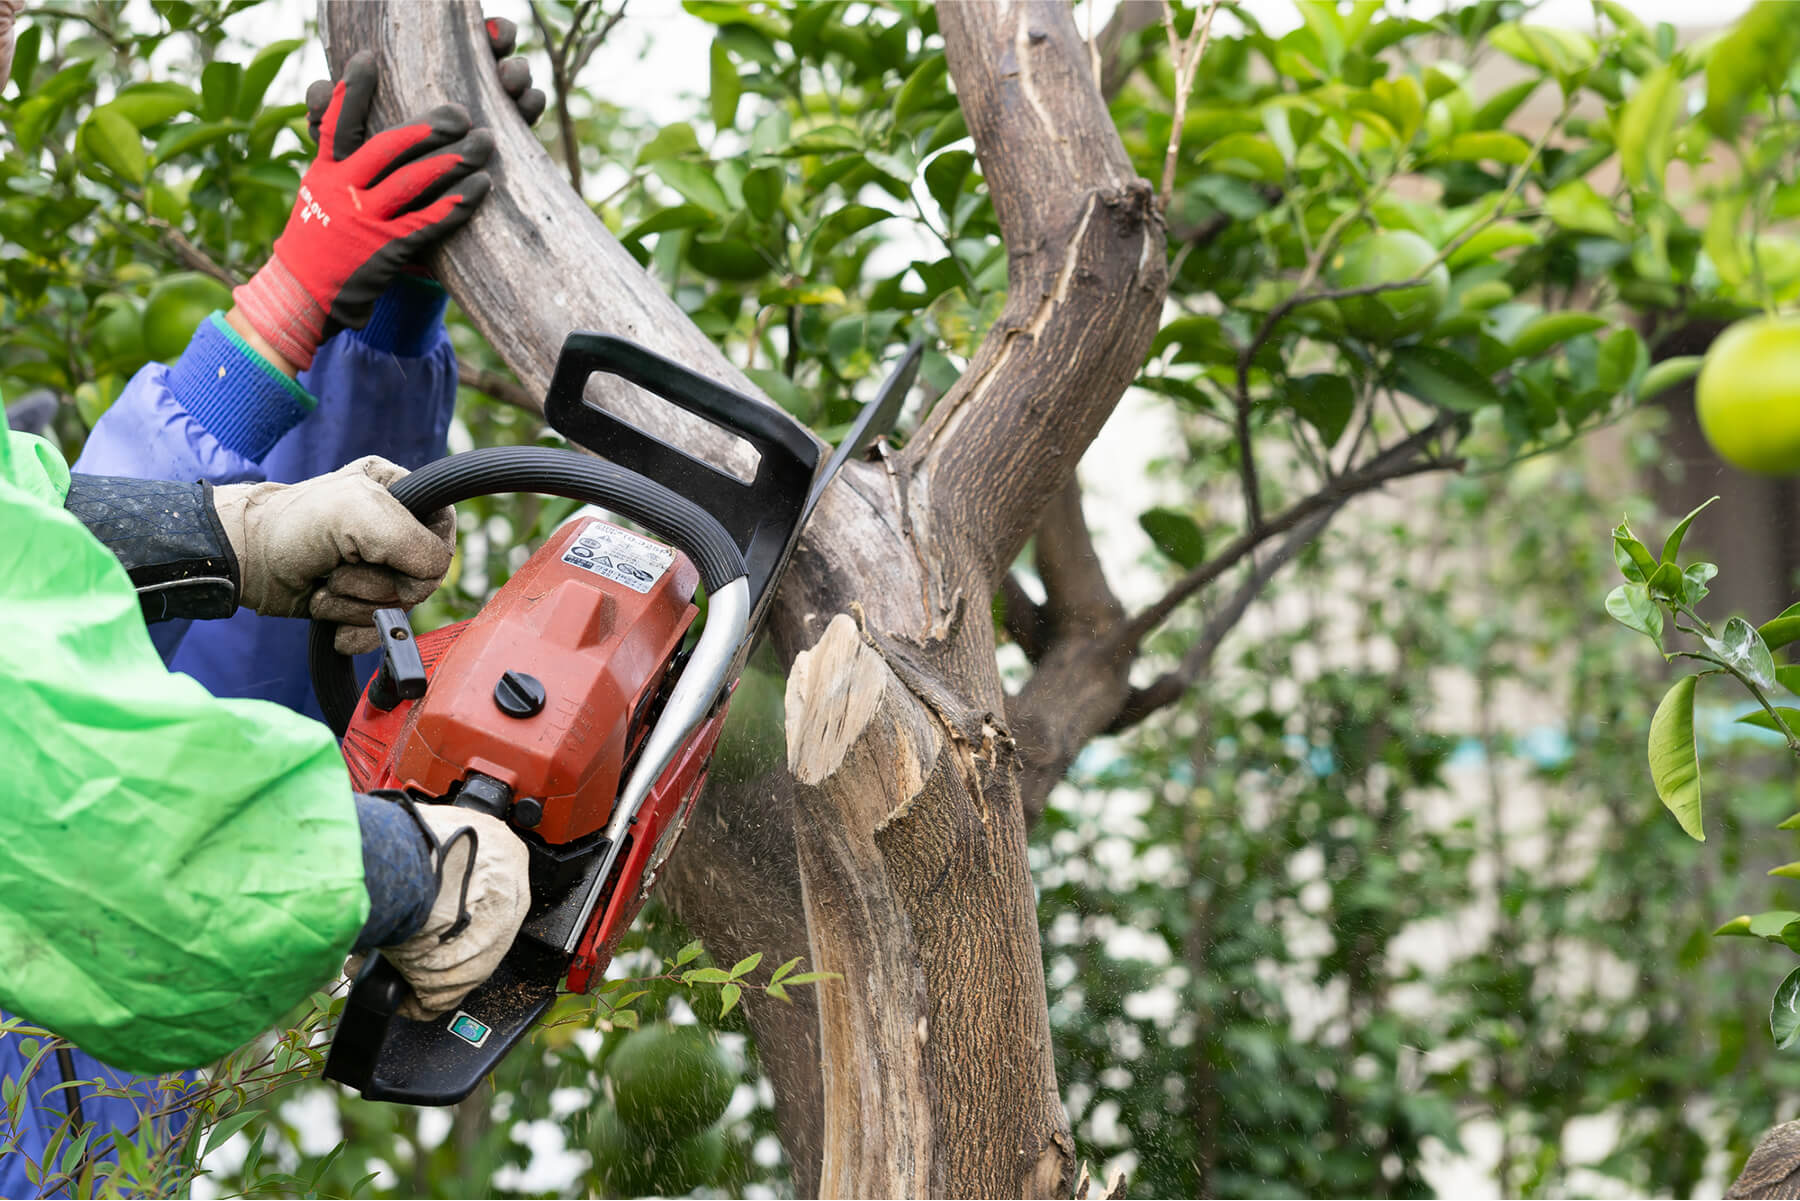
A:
(177, 307)
(624, 1160)
(1748, 395)
(1385, 258)
(670, 1081)
(115, 335)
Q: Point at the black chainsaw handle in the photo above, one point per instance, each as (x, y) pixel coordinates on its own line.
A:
(550, 471)
(374, 999)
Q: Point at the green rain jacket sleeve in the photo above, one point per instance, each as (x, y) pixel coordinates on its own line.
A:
(176, 870)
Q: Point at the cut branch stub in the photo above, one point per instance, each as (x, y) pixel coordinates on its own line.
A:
(858, 744)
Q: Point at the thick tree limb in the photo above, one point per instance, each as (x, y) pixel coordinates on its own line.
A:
(1086, 277)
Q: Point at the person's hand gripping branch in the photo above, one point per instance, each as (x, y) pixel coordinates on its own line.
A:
(368, 208)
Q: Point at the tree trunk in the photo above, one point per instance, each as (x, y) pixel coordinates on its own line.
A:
(897, 856)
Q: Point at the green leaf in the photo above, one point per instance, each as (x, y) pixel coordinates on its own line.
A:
(779, 993)
(219, 84)
(1781, 629)
(1622, 360)
(1756, 54)
(1553, 329)
(1741, 646)
(1791, 822)
(705, 975)
(676, 216)
(695, 183)
(762, 191)
(230, 1126)
(1770, 925)
(944, 176)
(746, 964)
(1784, 1012)
(189, 136)
(1564, 53)
(260, 74)
(847, 220)
(1325, 401)
(1645, 129)
(1763, 721)
(1788, 676)
(1787, 871)
(690, 952)
(813, 977)
(784, 969)
(1666, 374)
(726, 87)
(1737, 927)
(1249, 155)
(671, 141)
(922, 88)
(1491, 240)
(825, 139)
(111, 140)
(626, 1018)
(1440, 376)
(1576, 206)
(1502, 104)
(1672, 544)
(1674, 760)
(1495, 145)
(1176, 535)
(146, 104)
(728, 997)
(1630, 605)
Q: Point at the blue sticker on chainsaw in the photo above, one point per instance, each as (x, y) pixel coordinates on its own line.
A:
(468, 1029)
(621, 557)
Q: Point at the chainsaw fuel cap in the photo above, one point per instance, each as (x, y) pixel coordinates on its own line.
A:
(519, 694)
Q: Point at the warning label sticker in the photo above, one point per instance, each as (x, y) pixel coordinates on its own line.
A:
(621, 557)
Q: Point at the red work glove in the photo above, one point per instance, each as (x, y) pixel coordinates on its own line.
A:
(368, 207)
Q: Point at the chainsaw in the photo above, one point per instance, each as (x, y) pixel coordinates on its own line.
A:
(577, 705)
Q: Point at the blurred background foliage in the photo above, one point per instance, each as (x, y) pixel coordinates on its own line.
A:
(1388, 893)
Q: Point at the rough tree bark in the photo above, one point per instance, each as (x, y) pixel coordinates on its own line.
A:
(896, 856)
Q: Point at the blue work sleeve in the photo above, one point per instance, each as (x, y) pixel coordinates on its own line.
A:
(388, 389)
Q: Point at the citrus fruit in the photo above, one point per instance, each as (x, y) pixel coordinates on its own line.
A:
(176, 308)
(632, 1165)
(1748, 395)
(1385, 258)
(670, 1081)
(115, 335)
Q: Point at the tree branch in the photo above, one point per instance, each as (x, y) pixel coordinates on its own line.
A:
(1396, 462)
(1169, 687)
(1128, 18)
(1027, 622)
(1086, 278)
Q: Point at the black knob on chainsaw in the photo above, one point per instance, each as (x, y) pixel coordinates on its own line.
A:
(519, 694)
(402, 674)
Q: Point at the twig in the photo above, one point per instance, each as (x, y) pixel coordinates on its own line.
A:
(559, 83)
(1187, 63)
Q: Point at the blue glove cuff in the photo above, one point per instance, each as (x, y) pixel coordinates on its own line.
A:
(235, 393)
(408, 319)
(396, 872)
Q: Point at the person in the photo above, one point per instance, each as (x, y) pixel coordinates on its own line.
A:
(238, 785)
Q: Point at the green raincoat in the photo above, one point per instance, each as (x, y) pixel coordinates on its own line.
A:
(176, 870)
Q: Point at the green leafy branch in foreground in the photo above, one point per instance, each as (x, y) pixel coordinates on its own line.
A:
(1659, 596)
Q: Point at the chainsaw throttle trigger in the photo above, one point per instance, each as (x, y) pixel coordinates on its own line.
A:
(402, 674)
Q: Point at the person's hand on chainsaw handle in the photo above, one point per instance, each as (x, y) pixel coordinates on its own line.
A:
(368, 208)
(483, 891)
(336, 548)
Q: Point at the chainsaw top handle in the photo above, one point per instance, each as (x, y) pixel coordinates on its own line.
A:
(552, 472)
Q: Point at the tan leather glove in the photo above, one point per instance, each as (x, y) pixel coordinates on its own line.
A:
(483, 873)
(336, 547)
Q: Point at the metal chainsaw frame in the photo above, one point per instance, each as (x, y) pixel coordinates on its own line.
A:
(741, 535)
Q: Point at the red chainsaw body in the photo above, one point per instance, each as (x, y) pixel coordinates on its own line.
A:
(596, 617)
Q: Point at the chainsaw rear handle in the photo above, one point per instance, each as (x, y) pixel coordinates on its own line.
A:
(550, 471)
